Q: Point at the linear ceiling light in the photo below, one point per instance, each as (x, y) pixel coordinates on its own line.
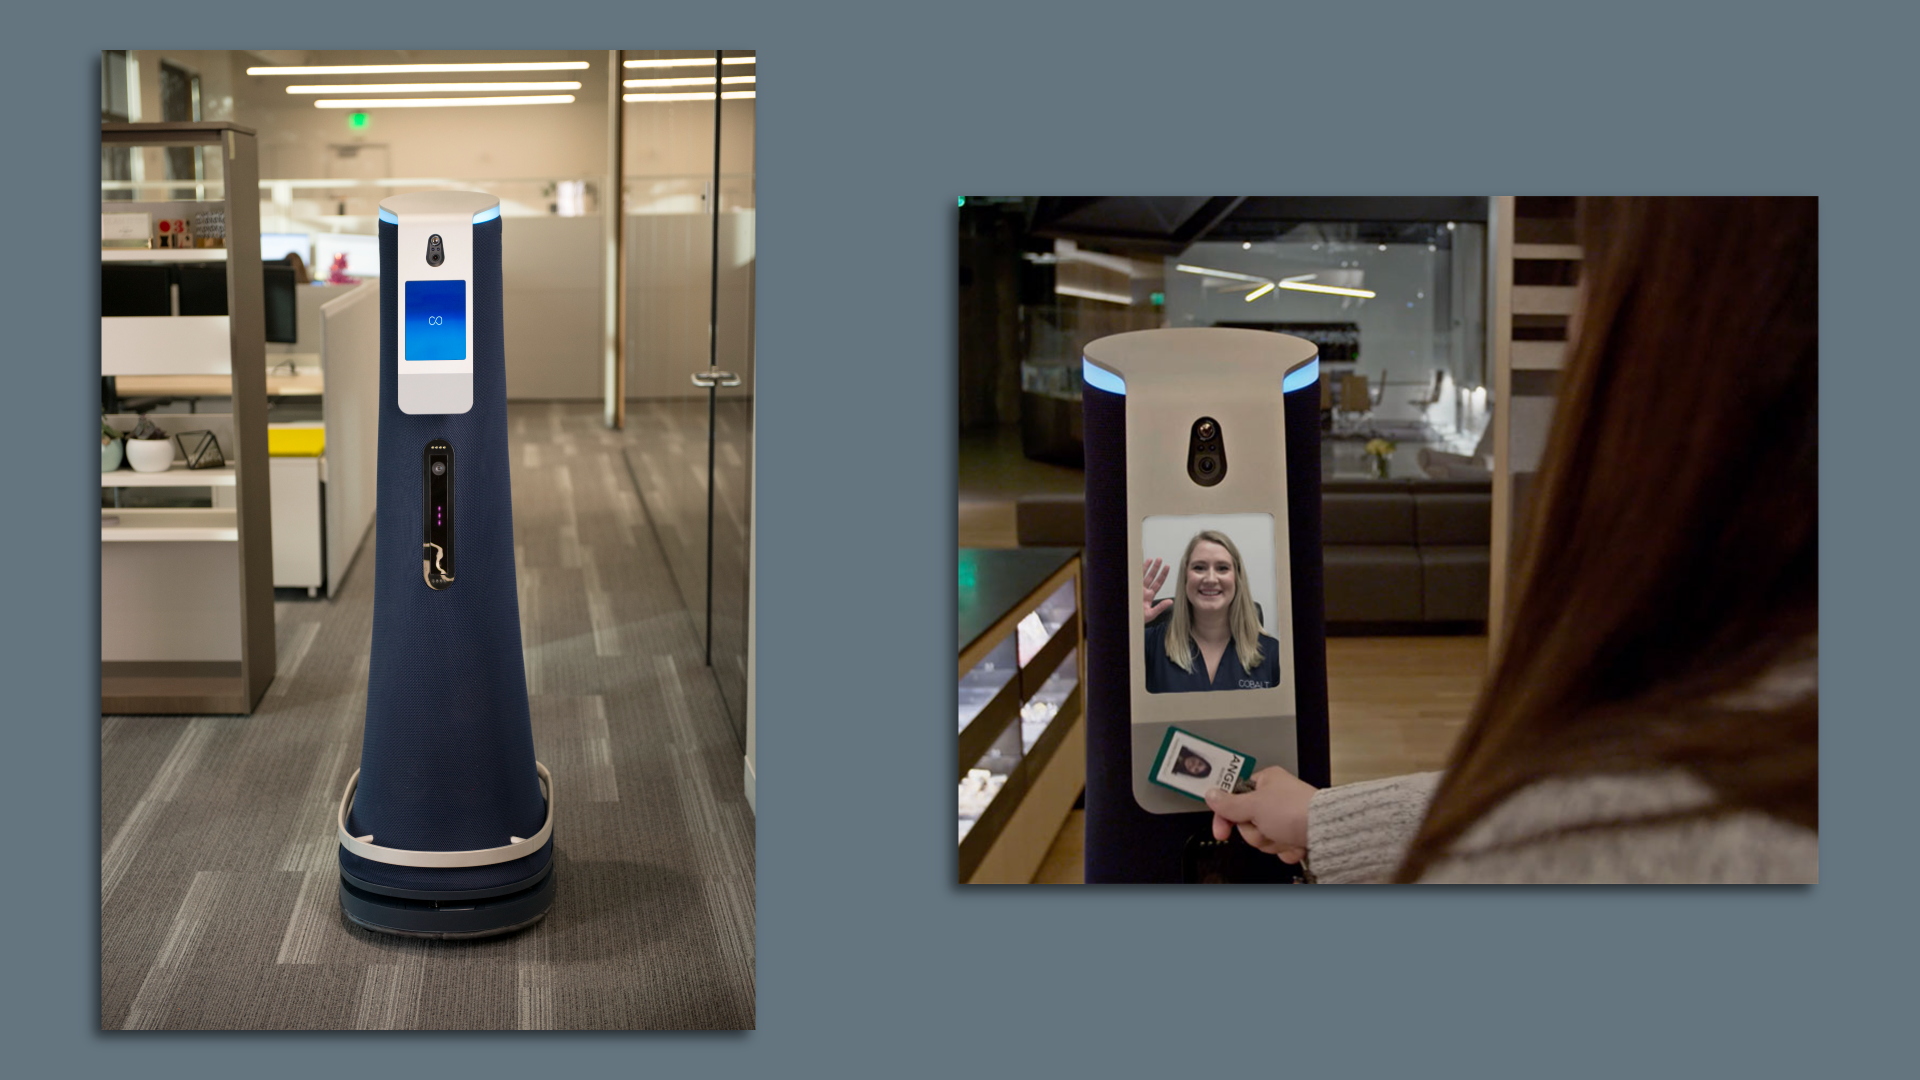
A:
(1332, 290)
(400, 69)
(445, 102)
(727, 95)
(1259, 292)
(428, 88)
(1183, 267)
(691, 61)
(1297, 284)
(691, 80)
(1094, 294)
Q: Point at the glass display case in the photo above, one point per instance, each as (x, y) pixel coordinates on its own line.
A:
(1021, 759)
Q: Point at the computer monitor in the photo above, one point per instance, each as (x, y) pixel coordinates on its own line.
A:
(282, 313)
(275, 246)
(363, 255)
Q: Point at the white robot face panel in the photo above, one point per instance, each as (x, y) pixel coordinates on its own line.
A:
(435, 296)
(1211, 604)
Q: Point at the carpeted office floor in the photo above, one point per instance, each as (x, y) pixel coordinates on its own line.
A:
(218, 877)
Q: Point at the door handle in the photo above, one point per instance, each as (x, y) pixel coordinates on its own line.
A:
(713, 377)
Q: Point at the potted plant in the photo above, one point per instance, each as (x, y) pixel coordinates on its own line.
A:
(110, 453)
(148, 448)
(1380, 457)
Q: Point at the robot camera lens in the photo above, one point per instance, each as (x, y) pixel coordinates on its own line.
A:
(439, 468)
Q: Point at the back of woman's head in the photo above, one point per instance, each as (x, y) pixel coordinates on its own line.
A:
(1669, 555)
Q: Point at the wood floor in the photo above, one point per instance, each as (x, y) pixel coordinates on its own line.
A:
(1395, 705)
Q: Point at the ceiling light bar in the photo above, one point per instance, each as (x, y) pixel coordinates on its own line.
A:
(690, 61)
(428, 88)
(1094, 294)
(401, 69)
(726, 95)
(691, 80)
(1331, 290)
(1298, 284)
(1184, 268)
(434, 103)
(1259, 292)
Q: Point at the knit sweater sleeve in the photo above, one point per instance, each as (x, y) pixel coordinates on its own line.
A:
(1358, 833)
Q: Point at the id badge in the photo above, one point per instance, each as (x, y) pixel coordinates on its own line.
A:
(1194, 766)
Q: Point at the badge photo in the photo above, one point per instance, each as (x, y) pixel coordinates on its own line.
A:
(1194, 766)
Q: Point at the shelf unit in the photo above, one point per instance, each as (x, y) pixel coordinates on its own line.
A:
(163, 255)
(1535, 271)
(179, 583)
(226, 476)
(166, 524)
(1021, 707)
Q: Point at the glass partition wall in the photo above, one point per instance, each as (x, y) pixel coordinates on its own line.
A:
(1397, 308)
(688, 204)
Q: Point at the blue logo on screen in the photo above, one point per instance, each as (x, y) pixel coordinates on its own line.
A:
(436, 320)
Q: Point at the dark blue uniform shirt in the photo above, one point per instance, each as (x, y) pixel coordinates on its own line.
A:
(1165, 677)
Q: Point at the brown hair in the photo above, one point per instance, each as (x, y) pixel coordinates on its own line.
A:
(1669, 557)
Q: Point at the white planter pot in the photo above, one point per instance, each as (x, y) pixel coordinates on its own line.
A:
(150, 455)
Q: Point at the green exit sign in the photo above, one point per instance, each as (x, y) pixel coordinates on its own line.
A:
(1159, 299)
(357, 121)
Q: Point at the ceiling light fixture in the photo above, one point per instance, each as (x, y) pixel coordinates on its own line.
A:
(691, 80)
(1094, 294)
(400, 69)
(1230, 275)
(1331, 290)
(428, 88)
(725, 95)
(1259, 292)
(434, 103)
(689, 61)
(1298, 284)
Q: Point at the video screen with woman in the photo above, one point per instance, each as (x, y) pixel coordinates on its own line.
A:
(1207, 601)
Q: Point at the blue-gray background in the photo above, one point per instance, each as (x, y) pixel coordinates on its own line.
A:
(872, 118)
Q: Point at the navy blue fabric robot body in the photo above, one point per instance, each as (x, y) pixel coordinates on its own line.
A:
(1125, 843)
(447, 763)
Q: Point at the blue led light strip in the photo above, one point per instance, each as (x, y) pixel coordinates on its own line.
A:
(1301, 377)
(489, 214)
(1101, 379)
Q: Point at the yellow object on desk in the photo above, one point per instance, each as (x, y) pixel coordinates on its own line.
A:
(296, 441)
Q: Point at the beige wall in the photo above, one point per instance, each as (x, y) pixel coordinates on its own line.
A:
(552, 272)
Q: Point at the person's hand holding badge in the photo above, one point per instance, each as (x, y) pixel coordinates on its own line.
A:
(1272, 817)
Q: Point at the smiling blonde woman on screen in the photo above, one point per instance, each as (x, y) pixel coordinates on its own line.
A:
(1653, 715)
(1212, 640)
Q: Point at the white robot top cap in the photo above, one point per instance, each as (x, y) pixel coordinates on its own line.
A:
(434, 291)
